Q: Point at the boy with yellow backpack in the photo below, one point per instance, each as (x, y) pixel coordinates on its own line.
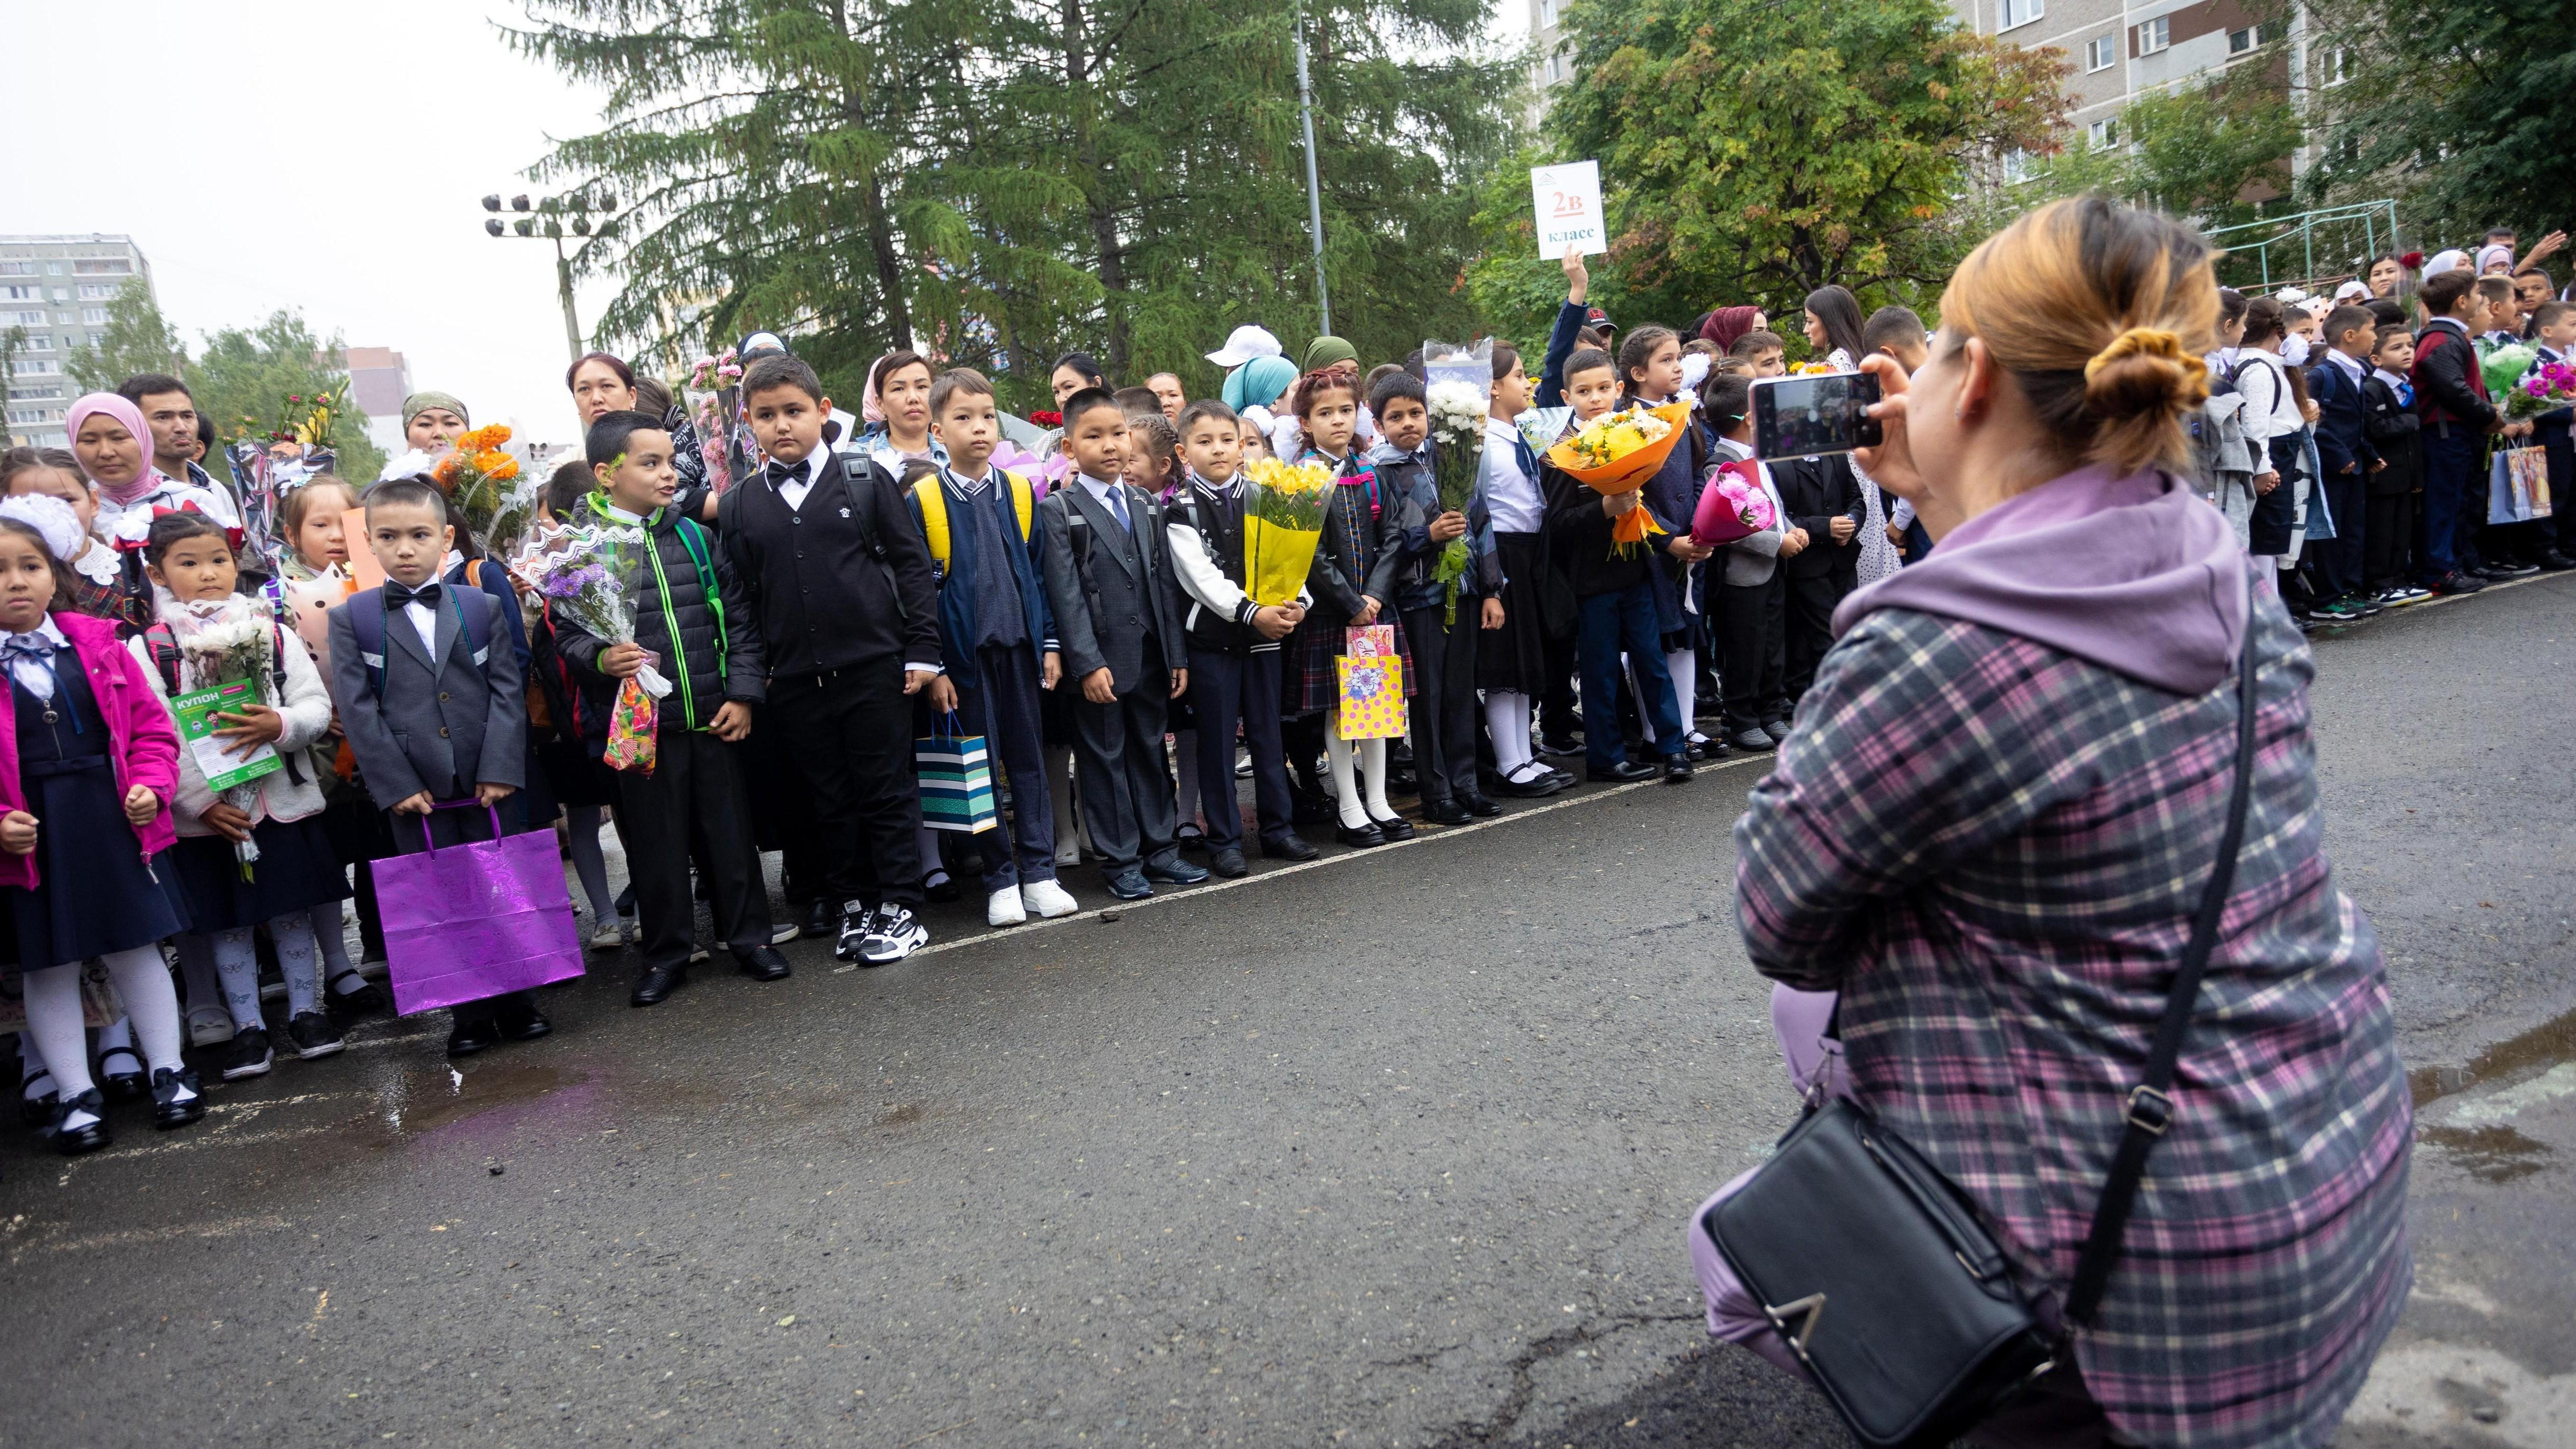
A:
(996, 632)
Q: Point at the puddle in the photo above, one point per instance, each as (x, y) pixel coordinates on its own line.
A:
(2489, 1154)
(2547, 1044)
(427, 1103)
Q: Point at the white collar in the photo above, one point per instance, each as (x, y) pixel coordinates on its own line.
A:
(2390, 378)
(620, 514)
(99, 564)
(1097, 487)
(2350, 363)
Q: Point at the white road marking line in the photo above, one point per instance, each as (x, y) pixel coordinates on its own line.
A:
(225, 1228)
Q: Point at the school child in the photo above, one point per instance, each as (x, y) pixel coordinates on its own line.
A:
(1763, 352)
(688, 626)
(1252, 442)
(841, 593)
(85, 838)
(1650, 373)
(1154, 466)
(1352, 582)
(1444, 716)
(1752, 588)
(571, 738)
(2345, 461)
(1615, 602)
(1528, 663)
(1233, 646)
(1110, 588)
(2395, 506)
(97, 574)
(996, 628)
(2553, 331)
(231, 892)
(2451, 399)
(432, 706)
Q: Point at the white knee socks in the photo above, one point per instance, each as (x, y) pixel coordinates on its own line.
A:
(1337, 763)
(1373, 765)
(1683, 666)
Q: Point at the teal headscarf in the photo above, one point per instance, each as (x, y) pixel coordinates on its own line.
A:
(1258, 383)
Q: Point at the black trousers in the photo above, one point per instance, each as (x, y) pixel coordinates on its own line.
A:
(851, 729)
(2339, 559)
(462, 827)
(1751, 663)
(1226, 690)
(1559, 713)
(1807, 629)
(2384, 534)
(1444, 704)
(695, 791)
(1127, 798)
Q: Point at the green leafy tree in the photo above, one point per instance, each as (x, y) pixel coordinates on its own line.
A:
(999, 182)
(2461, 112)
(1752, 152)
(137, 338)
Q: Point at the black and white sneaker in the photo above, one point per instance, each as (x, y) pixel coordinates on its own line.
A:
(246, 1055)
(858, 923)
(311, 1036)
(894, 936)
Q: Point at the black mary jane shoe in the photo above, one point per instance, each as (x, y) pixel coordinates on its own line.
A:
(1366, 837)
(525, 1024)
(37, 1113)
(468, 1037)
(654, 985)
(1478, 806)
(123, 1086)
(169, 1109)
(1396, 829)
(761, 963)
(73, 1141)
(366, 999)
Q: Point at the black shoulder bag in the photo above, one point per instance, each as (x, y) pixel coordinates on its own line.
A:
(1876, 1269)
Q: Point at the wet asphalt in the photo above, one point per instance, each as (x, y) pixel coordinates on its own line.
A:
(1394, 1149)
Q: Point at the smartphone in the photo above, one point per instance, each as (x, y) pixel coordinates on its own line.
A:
(1802, 417)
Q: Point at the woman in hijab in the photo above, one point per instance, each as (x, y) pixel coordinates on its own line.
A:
(1726, 324)
(433, 421)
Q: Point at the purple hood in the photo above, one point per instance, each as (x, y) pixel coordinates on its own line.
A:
(2134, 574)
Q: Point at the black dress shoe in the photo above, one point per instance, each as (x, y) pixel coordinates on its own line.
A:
(822, 921)
(1290, 846)
(1626, 772)
(1560, 745)
(2556, 562)
(1677, 770)
(1366, 837)
(1396, 829)
(761, 963)
(168, 1108)
(526, 1023)
(1228, 862)
(1564, 778)
(73, 1141)
(1536, 787)
(1130, 886)
(655, 984)
(1478, 805)
(941, 887)
(1172, 870)
(1445, 812)
(468, 1037)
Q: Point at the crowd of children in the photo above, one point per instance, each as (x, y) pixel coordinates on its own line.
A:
(875, 583)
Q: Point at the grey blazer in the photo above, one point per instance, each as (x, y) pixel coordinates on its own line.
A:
(1106, 586)
(445, 723)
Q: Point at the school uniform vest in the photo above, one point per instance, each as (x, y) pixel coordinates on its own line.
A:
(1219, 521)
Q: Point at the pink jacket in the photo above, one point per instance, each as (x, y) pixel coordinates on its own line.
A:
(141, 743)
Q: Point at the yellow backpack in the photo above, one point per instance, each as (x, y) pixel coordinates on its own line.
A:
(932, 501)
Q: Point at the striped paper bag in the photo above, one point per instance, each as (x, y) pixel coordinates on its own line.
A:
(956, 781)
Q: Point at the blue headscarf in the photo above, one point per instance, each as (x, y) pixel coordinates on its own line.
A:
(1258, 383)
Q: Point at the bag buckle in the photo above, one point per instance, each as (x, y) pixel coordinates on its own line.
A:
(2149, 1110)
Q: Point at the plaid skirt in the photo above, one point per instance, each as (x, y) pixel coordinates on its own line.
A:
(1313, 682)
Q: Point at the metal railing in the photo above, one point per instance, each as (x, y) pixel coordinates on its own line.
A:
(2328, 245)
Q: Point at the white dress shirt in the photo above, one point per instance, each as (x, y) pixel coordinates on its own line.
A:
(424, 622)
(1512, 499)
(793, 492)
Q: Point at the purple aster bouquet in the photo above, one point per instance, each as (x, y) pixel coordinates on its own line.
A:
(2547, 387)
(583, 573)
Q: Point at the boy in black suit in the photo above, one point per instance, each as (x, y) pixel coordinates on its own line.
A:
(431, 709)
(2394, 513)
(1118, 612)
(841, 596)
(2346, 458)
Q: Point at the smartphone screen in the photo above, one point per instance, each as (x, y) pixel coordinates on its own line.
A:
(1802, 417)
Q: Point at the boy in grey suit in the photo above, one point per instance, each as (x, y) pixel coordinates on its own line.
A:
(1118, 618)
(432, 705)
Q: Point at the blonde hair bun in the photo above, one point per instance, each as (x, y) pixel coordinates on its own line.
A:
(2145, 372)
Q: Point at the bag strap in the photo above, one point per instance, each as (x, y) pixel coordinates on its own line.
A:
(2150, 1106)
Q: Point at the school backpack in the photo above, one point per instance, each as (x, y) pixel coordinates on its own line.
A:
(369, 626)
(932, 501)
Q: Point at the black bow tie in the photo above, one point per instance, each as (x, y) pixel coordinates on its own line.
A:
(396, 596)
(782, 474)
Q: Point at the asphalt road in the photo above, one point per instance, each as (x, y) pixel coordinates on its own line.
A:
(1388, 1150)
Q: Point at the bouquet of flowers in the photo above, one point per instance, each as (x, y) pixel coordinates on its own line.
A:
(1616, 453)
(225, 642)
(1283, 522)
(585, 572)
(2544, 389)
(2503, 366)
(495, 499)
(1742, 510)
(1458, 445)
(716, 371)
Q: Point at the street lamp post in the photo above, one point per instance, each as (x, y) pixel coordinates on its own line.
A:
(546, 218)
(1314, 193)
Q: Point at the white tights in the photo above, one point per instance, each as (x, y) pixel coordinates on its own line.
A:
(1346, 791)
(54, 1019)
(1507, 723)
(299, 961)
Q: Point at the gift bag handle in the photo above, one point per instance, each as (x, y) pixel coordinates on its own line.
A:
(947, 726)
(430, 844)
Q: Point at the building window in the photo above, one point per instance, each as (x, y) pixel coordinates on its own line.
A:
(2019, 166)
(2338, 65)
(53, 269)
(40, 392)
(1556, 68)
(17, 269)
(2099, 53)
(25, 319)
(1546, 12)
(35, 415)
(96, 291)
(40, 342)
(2155, 35)
(2104, 134)
(34, 367)
(62, 294)
(104, 267)
(97, 316)
(25, 294)
(2013, 14)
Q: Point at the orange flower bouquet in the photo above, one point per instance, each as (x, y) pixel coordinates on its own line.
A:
(490, 492)
(1616, 453)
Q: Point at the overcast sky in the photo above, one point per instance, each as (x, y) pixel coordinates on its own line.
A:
(329, 159)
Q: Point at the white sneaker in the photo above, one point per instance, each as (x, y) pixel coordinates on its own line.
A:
(607, 937)
(209, 1025)
(1002, 908)
(1048, 899)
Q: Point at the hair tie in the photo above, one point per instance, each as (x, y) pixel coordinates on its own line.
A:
(2145, 342)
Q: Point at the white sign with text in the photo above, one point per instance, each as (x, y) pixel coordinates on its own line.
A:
(1567, 199)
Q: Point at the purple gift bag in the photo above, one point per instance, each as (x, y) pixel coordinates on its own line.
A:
(465, 922)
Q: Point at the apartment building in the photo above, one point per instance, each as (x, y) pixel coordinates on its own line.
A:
(379, 380)
(2122, 50)
(55, 291)
(1551, 61)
